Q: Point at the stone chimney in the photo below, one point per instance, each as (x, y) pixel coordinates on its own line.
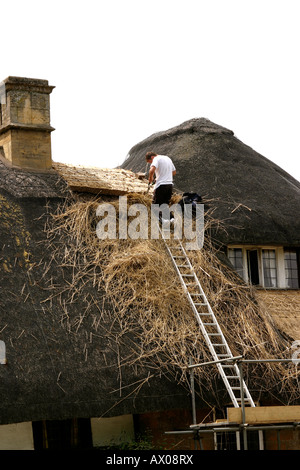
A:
(25, 131)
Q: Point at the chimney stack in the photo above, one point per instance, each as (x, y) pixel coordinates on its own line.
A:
(25, 131)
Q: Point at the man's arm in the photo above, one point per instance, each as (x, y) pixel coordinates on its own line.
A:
(151, 174)
(174, 172)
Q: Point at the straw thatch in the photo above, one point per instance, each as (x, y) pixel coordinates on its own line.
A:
(150, 306)
(284, 307)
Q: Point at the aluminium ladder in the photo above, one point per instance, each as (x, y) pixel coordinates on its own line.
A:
(208, 323)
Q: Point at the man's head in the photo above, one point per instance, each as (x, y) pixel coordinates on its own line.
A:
(150, 156)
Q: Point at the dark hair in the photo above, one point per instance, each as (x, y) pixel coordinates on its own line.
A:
(150, 154)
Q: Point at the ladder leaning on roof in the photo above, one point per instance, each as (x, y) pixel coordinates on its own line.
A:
(207, 321)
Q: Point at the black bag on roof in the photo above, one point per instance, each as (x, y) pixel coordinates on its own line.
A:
(190, 198)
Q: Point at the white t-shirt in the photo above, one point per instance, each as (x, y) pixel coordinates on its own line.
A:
(164, 168)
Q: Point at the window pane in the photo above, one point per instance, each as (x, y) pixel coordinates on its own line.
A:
(291, 269)
(235, 256)
(269, 268)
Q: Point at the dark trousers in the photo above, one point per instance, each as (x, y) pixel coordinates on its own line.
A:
(162, 195)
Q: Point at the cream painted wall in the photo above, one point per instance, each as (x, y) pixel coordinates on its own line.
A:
(18, 436)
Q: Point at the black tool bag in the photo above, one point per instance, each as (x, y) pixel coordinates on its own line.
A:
(190, 198)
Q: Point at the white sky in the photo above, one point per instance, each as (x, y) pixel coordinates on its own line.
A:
(125, 69)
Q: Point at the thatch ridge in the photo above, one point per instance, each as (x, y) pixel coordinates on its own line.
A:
(202, 126)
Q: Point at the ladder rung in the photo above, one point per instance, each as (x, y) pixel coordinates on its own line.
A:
(214, 334)
(235, 388)
(232, 377)
(210, 324)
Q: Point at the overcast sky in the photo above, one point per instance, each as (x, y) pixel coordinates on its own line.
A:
(125, 69)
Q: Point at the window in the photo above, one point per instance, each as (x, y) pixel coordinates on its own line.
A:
(235, 256)
(291, 263)
(269, 267)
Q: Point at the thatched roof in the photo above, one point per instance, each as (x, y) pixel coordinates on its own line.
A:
(30, 184)
(257, 201)
(71, 347)
(55, 371)
(284, 307)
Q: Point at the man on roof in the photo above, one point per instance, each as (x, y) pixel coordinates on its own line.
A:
(164, 170)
